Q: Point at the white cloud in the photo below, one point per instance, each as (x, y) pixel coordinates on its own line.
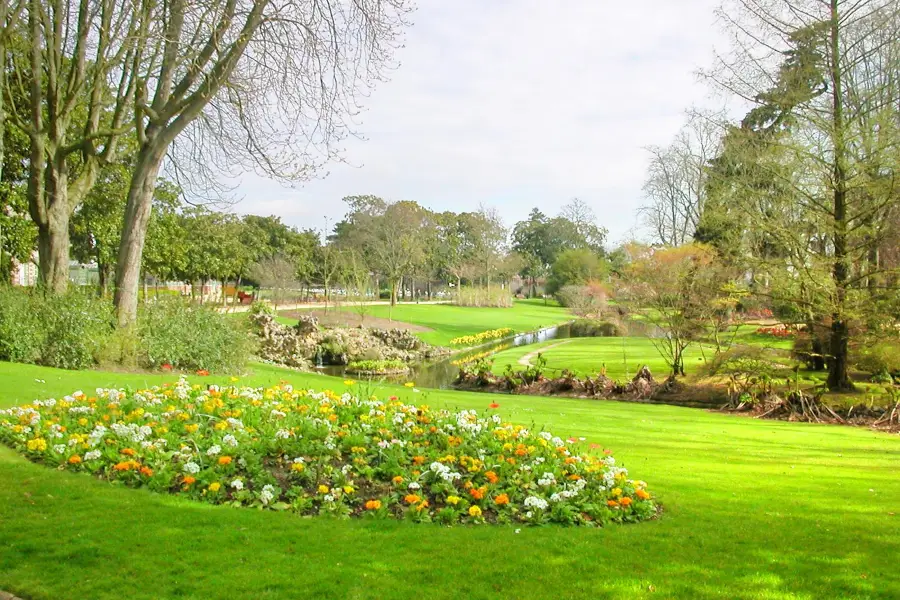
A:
(515, 104)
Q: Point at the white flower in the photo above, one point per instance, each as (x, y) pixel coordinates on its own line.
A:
(413, 485)
(230, 440)
(191, 468)
(535, 502)
(282, 434)
(237, 484)
(214, 450)
(59, 448)
(267, 494)
(92, 455)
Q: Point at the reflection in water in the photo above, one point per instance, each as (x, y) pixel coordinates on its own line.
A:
(440, 374)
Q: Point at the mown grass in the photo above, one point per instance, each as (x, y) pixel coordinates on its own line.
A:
(753, 509)
(622, 357)
(447, 321)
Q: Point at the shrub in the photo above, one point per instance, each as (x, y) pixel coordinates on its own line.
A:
(67, 331)
(493, 297)
(191, 337)
(597, 328)
(588, 300)
(880, 359)
(78, 325)
(22, 331)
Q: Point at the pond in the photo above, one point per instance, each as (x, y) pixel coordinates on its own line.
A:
(440, 374)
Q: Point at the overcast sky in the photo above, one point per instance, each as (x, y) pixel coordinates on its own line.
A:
(517, 104)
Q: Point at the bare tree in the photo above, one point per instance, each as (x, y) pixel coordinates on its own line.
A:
(260, 84)
(821, 75)
(676, 180)
(77, 65)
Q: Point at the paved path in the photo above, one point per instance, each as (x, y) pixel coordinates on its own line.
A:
(240, 308)
(525, 361)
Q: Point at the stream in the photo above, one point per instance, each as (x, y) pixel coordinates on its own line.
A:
(441, 373)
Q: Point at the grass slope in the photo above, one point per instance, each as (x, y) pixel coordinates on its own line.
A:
(754, 509)
(447, 321)
(622, 356)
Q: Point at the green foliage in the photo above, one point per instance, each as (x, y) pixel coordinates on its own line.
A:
(191, 337)
(881, 359)
(597, 328)
(66, 331)
(575, 267)
(22, 331)
(377, 366)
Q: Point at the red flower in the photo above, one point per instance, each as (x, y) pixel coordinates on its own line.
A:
(166, 367)
(493, 405)
(202, 372)
(571, 440)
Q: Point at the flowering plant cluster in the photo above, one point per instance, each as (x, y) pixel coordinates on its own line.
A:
(323, 453)
(471, 358)
(780, 331)
(480, 338)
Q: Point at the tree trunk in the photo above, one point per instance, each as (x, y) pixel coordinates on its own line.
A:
(393, 292)
(838, 377)
(134, 232)
(53, 247)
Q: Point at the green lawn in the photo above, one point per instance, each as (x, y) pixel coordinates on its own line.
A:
(448, 321)
(623, 356)
(753, 509)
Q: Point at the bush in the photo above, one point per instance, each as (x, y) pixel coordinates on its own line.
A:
(880, 359)
(484, 297)
(597, 328)
(67, 331)
(191, 337)
(79, 325)
(22, 332)
(588, 300)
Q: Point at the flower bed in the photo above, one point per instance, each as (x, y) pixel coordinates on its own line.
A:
(321, 453)
(480, 338)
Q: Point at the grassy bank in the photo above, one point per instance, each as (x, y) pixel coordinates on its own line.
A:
(447, 321)
(753, 509)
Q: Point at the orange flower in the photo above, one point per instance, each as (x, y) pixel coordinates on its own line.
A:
(188, 480)
(127, 451)
(501, 500)
(491, 476)
(123, 466)
(612, 503)
(397, 480)
(418, 460)
(478, 493)
(626, 501)
(74, 459)
(642, 494)
(373, 505)
(202, 372)
(225, 460)
(147, 471)
(411, 498)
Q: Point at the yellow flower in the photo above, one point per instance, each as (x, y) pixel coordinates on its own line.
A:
(324, 489)
(191, 428)
(214, 487)
(474, 511)
(617, 492)
(233, 380)
(454, 500)
(37, 445)
(297, 466)
(409, 384)
(349, 489)
(349, 382)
